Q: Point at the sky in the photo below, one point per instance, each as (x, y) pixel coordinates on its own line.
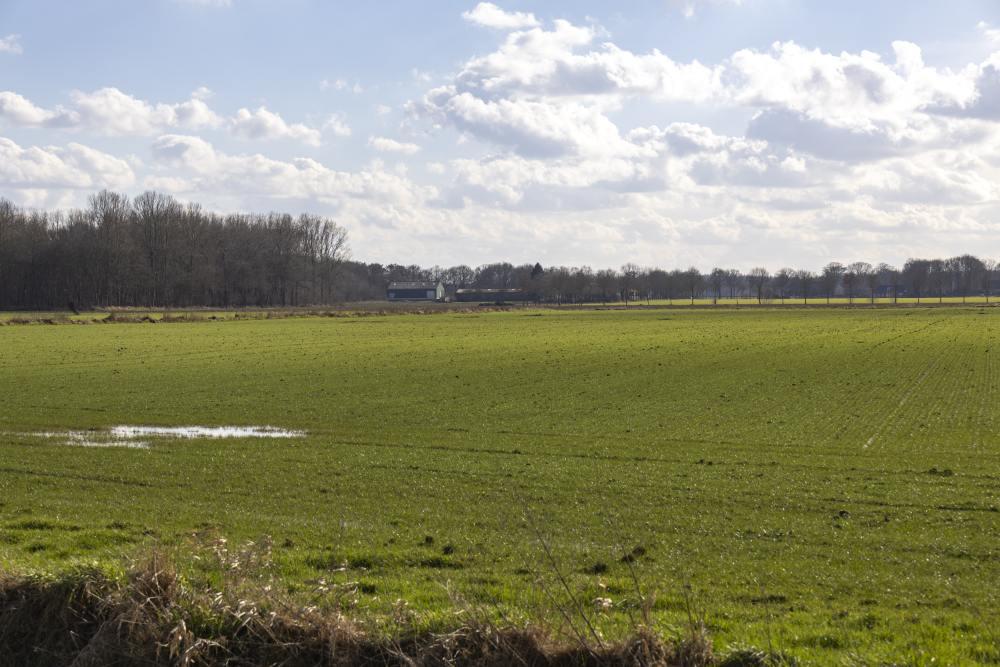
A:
(668, 133)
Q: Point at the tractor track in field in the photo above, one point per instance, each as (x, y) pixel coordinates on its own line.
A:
(942, 386)
(986, 391)
(906, 334)
(951, 361)
(833, 425)
(890, 418)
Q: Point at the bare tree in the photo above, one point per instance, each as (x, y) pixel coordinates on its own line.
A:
(966, 271)
(460, 276)
(871, 280)
(937, 276)
(782, 279)
(582, 283)
(716, 279)
(758, 279)
(630, 276)
(830, 278)
(558, 280)
(805, 280)
(693, 282)
(856, 274)
(915, 274)
(989, 270)
(733, 279)
(889, 275)
(675, 284)
(606, 280)
(658, 283)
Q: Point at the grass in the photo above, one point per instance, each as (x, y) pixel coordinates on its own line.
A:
(155, 616)
(174, 315)
(171, 315)
(858, 301)
(819, 482)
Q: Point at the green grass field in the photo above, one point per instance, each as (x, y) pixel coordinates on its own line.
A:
(383, 307)
(825, 481)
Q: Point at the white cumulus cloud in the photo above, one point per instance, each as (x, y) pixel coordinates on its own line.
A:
(337, 126)
(372, 192)
(21, 112)
(264, 124)
(113, 112)
(70, 166)
(989, 32)
(489, 15)
(386, 145)
(11, 44)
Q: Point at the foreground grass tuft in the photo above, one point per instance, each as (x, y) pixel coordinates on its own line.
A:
(152, 615)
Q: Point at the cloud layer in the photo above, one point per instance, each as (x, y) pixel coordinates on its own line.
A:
(532, 142)
(111, 112)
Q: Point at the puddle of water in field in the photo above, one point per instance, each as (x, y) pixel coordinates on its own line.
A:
(139, 437)
(87, 439)
(213, 432)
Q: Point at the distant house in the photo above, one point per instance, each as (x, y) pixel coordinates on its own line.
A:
(415, 291)
(492, 295)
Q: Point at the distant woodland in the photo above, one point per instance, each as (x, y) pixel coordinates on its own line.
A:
(157, 252)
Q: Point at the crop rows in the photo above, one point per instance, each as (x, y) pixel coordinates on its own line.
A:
(821, 479)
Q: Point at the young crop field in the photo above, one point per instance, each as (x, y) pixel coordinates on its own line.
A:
(821, 482)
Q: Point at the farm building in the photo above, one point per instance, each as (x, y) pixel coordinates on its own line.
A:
(415, 291)
(492, 295)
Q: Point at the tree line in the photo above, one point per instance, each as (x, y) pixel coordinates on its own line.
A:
(154, 251)
(962, 276)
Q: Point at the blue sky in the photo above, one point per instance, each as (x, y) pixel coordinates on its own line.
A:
(664, 132)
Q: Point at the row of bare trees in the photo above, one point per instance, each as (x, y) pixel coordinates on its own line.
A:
(959, 276)
(154, 251)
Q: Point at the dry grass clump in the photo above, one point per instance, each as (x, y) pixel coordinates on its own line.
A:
(153, 616)
(35, 320)
(167, 316)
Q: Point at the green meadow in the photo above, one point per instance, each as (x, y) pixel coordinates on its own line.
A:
(821, 482)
